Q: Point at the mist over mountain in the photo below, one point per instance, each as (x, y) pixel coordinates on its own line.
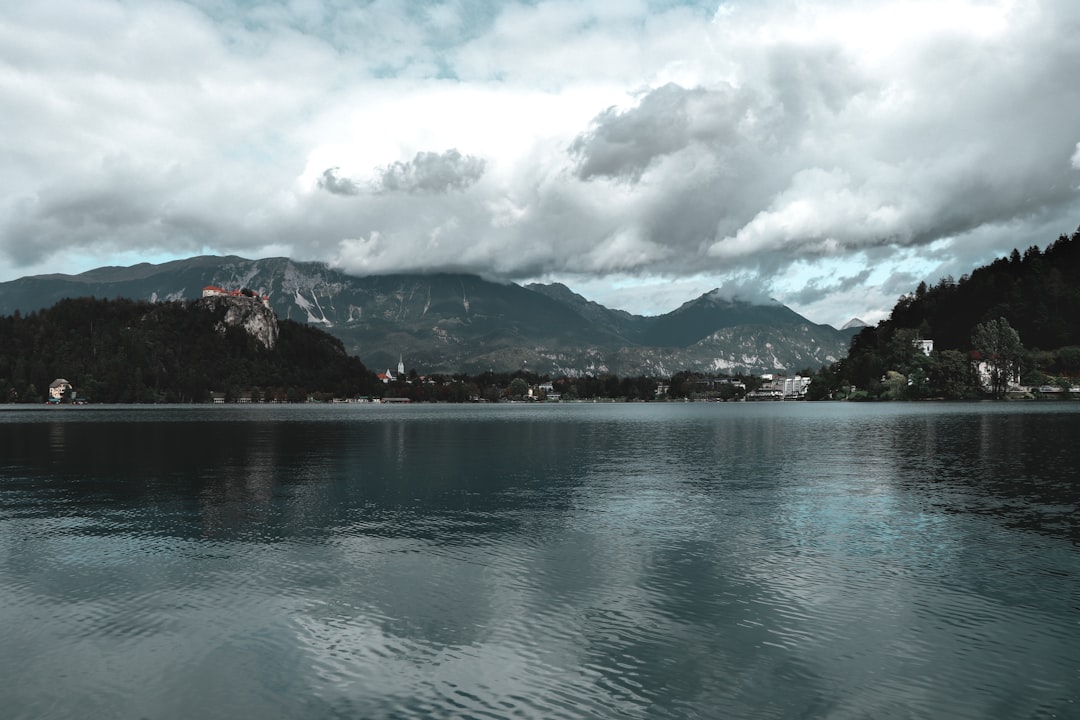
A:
(448, 322)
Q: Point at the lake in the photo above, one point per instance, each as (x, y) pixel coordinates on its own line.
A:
(773, 560)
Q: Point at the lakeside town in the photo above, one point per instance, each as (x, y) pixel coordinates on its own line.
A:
(401, 387)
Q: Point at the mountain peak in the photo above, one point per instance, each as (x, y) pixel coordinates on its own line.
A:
(854, 323)
(726, 299)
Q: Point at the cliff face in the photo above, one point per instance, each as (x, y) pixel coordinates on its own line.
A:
(256, 319)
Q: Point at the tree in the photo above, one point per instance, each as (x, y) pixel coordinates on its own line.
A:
(518, 388)
(918, 376)
(950, 375)
(726, 391)
(1068, 360)
(895, 383)
(1000, 348)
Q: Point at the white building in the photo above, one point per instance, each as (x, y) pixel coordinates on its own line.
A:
(983, 372)
(926, 346)
(795, 387)
(782, 388)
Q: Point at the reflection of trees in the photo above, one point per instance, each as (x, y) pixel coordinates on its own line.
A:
(1013, 466)
(285, 475)
(168, 473)
(448, 480)
(1000, 348)
(238, 488)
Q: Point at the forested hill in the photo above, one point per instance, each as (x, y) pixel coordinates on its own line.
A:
(129, 351)
(1035, 292)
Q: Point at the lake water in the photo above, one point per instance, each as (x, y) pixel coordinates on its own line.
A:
(565, 561)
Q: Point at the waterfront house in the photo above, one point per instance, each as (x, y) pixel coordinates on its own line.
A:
(60, 390)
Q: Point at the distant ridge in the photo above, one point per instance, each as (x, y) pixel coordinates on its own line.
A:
(445, 322)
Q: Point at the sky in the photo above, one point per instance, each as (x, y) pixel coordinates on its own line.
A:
(830, 155)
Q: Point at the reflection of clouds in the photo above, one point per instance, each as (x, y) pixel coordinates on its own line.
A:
(362, 669)
(788, 560)
(679, 610)
(418, 627)
(832, 555)
(877, 568)
(103, 622)
(800, 545)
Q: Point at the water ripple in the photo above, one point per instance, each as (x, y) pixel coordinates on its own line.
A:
(667, 562)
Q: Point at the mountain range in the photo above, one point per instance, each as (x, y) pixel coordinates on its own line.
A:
(464, 323)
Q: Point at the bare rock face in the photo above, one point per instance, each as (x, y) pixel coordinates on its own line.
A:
(256, 319)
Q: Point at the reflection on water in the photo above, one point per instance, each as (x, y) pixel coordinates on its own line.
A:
(759, 561)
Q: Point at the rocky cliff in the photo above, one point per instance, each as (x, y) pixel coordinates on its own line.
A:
(248, 313)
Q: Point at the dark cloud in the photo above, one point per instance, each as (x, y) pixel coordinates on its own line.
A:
(622, 144)
(430, 172)
(817, 289)
(427, 173)
(331, 183)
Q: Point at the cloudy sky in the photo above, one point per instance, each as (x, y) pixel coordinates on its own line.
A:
(830, 154)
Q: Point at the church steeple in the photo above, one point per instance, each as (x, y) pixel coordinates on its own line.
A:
(400, 366)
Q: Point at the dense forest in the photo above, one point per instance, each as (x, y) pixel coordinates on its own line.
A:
(1020, 312)
(128, 351)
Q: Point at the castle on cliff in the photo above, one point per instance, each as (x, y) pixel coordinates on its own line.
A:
(215, 291)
